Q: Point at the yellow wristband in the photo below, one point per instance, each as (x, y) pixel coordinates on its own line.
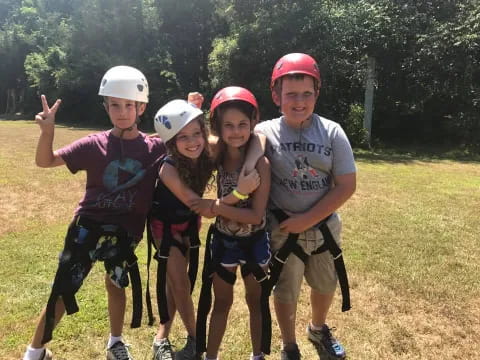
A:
(238, 195)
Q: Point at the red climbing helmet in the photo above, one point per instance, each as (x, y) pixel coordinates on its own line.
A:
(232, 93)
(295, 63)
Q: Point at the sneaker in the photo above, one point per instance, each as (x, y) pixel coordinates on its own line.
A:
(189, 351)
(119, 351)
(293, 354)
(162, 350)
(323, 339)
(47, 355)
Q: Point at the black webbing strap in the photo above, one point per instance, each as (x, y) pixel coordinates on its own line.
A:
(211, 266)
(251, 267)
(262, 278)
(279, 258)
(71, 306)
(148, 298)
(193, 231)
(205, 300)
(266, 318)
(62, 284)
(227, 276)
(216, 266)
(339, 265)
(137, 305)
(329, 244)
(162, 258)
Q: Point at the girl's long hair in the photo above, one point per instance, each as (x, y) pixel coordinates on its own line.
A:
(196, 175)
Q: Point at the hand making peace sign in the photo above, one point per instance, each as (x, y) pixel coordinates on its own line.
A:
(46, 118)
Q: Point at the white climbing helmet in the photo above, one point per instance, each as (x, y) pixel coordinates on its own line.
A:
(124, 82)
(173, 117)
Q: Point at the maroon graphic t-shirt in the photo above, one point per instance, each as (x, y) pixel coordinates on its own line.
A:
(120, 177)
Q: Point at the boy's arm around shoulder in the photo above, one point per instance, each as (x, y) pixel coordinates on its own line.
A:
(45, 156)
(214, 146)
(249, 179)
(255, 151)
(345, 186)
(255, 213)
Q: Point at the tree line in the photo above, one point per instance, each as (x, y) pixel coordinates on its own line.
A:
(426, 56)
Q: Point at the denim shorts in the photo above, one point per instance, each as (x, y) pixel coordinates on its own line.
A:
(234, 253)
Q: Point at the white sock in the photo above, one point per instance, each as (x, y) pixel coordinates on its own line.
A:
(316, 328)
(33, 353)
(159, 341)
(256, 357)
(112, 340)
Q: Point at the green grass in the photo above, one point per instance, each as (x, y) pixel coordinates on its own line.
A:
(410, 241)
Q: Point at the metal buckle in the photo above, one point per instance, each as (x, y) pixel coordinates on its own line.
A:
(278, 259)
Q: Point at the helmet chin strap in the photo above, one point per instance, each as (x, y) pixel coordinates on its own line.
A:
(122, 131)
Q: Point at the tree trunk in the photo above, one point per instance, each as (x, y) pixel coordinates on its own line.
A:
(11, 101)
(369, 87)
(7, 105)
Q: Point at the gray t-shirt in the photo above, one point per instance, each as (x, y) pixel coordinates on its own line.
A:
(304, 161)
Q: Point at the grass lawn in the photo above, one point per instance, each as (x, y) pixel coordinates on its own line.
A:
(411, 235)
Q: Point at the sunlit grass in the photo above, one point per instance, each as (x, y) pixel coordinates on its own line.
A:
(410, 241)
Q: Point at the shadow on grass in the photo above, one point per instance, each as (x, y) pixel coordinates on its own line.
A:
(13, 116)
(322, 353)
(406, 155)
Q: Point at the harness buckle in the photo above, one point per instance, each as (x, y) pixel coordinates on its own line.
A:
(338, 256)
(278, 259)
(263, 279)
(133, 263)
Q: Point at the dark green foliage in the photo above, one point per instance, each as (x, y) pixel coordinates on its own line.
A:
(427, 55)
(353, 126)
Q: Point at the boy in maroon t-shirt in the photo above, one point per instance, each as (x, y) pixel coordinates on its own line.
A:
(121, 166)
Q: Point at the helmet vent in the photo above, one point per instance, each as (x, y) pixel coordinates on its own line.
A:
(162, 119)
(140, 87)
(104, 82)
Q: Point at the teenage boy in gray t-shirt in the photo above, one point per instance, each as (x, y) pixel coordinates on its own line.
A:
(313, 174)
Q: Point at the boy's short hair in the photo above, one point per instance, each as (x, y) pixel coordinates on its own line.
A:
(105, 100)
(277, 86)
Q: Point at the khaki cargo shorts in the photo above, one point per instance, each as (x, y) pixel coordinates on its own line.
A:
(319, 272)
